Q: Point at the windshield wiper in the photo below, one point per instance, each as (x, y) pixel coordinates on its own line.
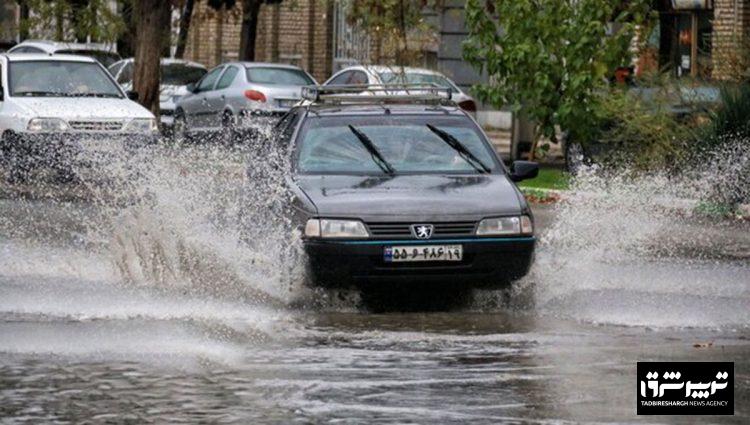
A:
(460, 148)
(39, 93)
(376, 155)
(95, 95)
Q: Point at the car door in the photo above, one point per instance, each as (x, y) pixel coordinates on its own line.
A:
(196, 107)
(221, 99)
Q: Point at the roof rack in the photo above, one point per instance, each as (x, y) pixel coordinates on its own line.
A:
(378, 93)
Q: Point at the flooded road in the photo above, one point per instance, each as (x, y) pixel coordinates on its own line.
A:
(110, 314)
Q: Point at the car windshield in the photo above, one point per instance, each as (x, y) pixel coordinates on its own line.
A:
(416, 78)
(60, 79)
(402, 144)
(177, 74)
(278, 76)
(104, 57)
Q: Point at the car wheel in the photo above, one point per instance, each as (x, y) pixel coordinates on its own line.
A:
(179, 130)
(228, 128)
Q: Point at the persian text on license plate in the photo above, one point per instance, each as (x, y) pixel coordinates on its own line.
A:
(396, 254)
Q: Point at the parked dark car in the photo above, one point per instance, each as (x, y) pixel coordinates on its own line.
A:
(404, 189)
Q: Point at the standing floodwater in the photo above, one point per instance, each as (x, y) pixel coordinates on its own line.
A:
(142, 300)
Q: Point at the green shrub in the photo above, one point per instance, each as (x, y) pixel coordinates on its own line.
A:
(633, 129)
(722, 152)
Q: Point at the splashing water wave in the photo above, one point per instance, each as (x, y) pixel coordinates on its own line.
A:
(628, 248)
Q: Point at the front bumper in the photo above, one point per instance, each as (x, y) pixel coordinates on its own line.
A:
(62, 149)
(487, 262)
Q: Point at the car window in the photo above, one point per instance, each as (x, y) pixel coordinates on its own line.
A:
(115, 68)
(328, 145)
(227, 78)
(208, 81)
(278, 76)
(340, 79)
(104, 57)
(28, 49)
(126, 76)
(417, 78)
(358, 77)
(47, 78)
(178, 74)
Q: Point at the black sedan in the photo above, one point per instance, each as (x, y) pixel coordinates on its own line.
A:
(405, 192)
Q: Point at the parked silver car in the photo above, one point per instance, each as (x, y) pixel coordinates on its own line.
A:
(380, 74)
(238, 95)
(176, 74)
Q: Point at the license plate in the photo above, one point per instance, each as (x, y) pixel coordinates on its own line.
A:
(397, 254)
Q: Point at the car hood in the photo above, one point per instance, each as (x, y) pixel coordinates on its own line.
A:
(82, 108)
(419, 197)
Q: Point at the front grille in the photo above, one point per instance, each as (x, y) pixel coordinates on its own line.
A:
(403, 230)
(95, 125)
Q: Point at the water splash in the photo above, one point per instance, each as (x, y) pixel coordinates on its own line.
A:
(630, 248)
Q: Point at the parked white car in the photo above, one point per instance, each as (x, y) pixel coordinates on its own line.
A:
(54, 108)
(176, 74)
(380, 74)
(99, 51)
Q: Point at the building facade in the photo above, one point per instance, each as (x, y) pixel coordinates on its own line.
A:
(297, 32)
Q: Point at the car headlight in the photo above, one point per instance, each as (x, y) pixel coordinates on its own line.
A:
(505, 226)
(47, 125)
(142, 125)
(325, 228)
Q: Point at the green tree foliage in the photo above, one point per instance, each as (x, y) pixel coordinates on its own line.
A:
(397, 27)
(550, 57)
(71, 20)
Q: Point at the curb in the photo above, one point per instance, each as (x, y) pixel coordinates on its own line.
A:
(688, 205)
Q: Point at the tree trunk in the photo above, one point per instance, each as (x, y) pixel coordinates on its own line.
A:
(185, 18)
(23, 32)
(126, 40)
(250, 10)
(152, 33)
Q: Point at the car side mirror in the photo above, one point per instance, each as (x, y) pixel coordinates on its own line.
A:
(523, 170)
(132, 95)
(190, 87)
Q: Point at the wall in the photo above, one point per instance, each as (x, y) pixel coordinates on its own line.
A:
(731, 26)
(296, 32)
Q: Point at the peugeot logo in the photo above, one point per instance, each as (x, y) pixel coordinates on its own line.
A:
(422, 231)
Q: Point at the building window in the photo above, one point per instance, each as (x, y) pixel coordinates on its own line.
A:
(684, 38)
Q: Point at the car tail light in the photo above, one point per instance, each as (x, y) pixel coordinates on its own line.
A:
(468, 106)
(255, 95)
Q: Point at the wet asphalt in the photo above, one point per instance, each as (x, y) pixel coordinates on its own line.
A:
(80, 345)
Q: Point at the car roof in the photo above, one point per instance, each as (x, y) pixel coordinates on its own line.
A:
(384, 109)
(377, 69)
(168, 61)
(52, 46)
(265, 64)
(23, 57)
